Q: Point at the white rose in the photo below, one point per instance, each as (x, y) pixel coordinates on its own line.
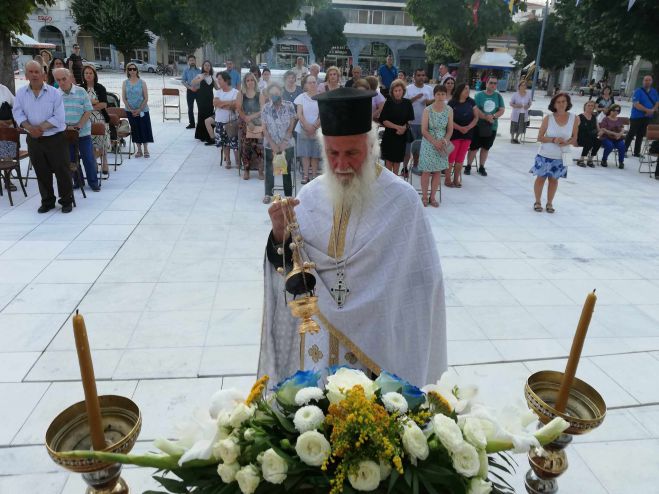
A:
(344, 380)
(479, 486)
(312, 448)
(367, 477)
(248, 479)
(305, 395)
(274, 467)
(249, 434)
(465, 460)
(308, 418)
(394, 402)
(227, 450)
(240, 414)
(228, 471)
(474, 433)
(447, 431)
(414, 442)
(223, 424)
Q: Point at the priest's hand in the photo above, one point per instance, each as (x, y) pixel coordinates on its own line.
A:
(276, 212)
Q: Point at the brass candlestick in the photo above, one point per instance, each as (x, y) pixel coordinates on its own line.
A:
(121, 420)
(300, 282)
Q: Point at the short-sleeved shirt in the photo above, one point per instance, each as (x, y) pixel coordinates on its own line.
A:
(291, 95)
(387, 75)
(76, 67)
(309, 109)
(299, 74)
(646, 98)
(235, 78)
(276, 120)
(463, 114)
(611, 125)
(76, 103)
(420, 104)
(189, 74)
(489, 104)
(223, 115)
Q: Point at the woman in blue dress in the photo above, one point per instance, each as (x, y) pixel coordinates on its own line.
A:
(436, 128)
(136, 98)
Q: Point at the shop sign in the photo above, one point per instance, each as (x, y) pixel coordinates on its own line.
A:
(45, 18)
(291, 48)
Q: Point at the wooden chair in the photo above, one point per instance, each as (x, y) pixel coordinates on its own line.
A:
(72, 137)
(652, 134)
(117, 116)
(98, 130)
(171, 98)
(6, 166)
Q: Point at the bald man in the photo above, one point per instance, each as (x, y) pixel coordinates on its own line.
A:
(39, 109)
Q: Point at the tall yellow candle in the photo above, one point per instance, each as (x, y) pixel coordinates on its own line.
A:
(575, 352)
(88, 383)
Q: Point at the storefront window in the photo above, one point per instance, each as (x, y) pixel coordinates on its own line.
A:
(101, 52)
(377, 17)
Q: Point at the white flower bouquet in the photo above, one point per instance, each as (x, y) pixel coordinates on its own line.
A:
(355, 434)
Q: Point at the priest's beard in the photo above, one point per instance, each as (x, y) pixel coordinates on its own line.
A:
(356, 193)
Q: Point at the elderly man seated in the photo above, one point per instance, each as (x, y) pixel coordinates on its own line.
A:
(78, 109)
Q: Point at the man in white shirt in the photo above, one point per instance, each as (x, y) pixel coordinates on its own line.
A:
(300, 70)
(420, 95)
(443, 74)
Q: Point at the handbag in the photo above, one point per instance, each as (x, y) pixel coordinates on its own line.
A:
(5, 111)
(254, 131)
(409, 137)
(484, 128)
(448, 149)
(279, 164)
(231, 128)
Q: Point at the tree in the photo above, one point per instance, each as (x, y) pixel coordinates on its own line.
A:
(439, 49)
(174, 21)
(559, 48)
(325, 27)
(113, 22)
(14, 21)
(245, 27)
(612, 32)
(454, 19)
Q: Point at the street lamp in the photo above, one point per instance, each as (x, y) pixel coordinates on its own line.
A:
(537, 58)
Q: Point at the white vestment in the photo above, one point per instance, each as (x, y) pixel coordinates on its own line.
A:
(394, 316)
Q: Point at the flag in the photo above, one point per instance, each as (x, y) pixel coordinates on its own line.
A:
(474, 10)
(630, 5)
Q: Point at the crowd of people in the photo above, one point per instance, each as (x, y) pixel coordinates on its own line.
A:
(261, 125)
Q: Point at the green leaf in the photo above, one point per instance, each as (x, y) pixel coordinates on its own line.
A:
(172, 485)
(393, 478)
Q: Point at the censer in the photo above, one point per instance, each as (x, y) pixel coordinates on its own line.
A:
(299, 281)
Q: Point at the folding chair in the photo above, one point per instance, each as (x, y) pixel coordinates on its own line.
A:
(11, 134)
(117, 117)
(171, 98)
(652, 134)
(72, 138)
(98, 130)
(533, 113)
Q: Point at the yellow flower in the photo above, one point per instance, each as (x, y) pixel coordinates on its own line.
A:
(439, 404)
(257, 390)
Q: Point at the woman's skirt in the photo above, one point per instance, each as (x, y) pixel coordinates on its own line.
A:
(307, 147)
(222, 139)
(140, 127)
(101, 142)
(548, 167)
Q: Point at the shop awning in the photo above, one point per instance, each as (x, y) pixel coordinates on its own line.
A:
(26, 41)
(492, 60)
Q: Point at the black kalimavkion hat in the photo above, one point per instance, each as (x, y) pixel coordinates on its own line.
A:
(345, 111)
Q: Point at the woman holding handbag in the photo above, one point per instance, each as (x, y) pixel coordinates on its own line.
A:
(251, 130)
(396, 116)
(436, 128)
(557, 133)
(225, 102)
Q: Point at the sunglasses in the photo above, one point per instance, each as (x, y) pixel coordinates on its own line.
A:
(132, 69)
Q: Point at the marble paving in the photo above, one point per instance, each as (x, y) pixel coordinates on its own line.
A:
(165, 263)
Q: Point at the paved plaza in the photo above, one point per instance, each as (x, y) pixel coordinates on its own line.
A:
(166, 265)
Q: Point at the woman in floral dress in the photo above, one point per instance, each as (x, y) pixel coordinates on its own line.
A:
(436, 128)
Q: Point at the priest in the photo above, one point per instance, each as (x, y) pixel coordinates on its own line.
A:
(378, 276)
